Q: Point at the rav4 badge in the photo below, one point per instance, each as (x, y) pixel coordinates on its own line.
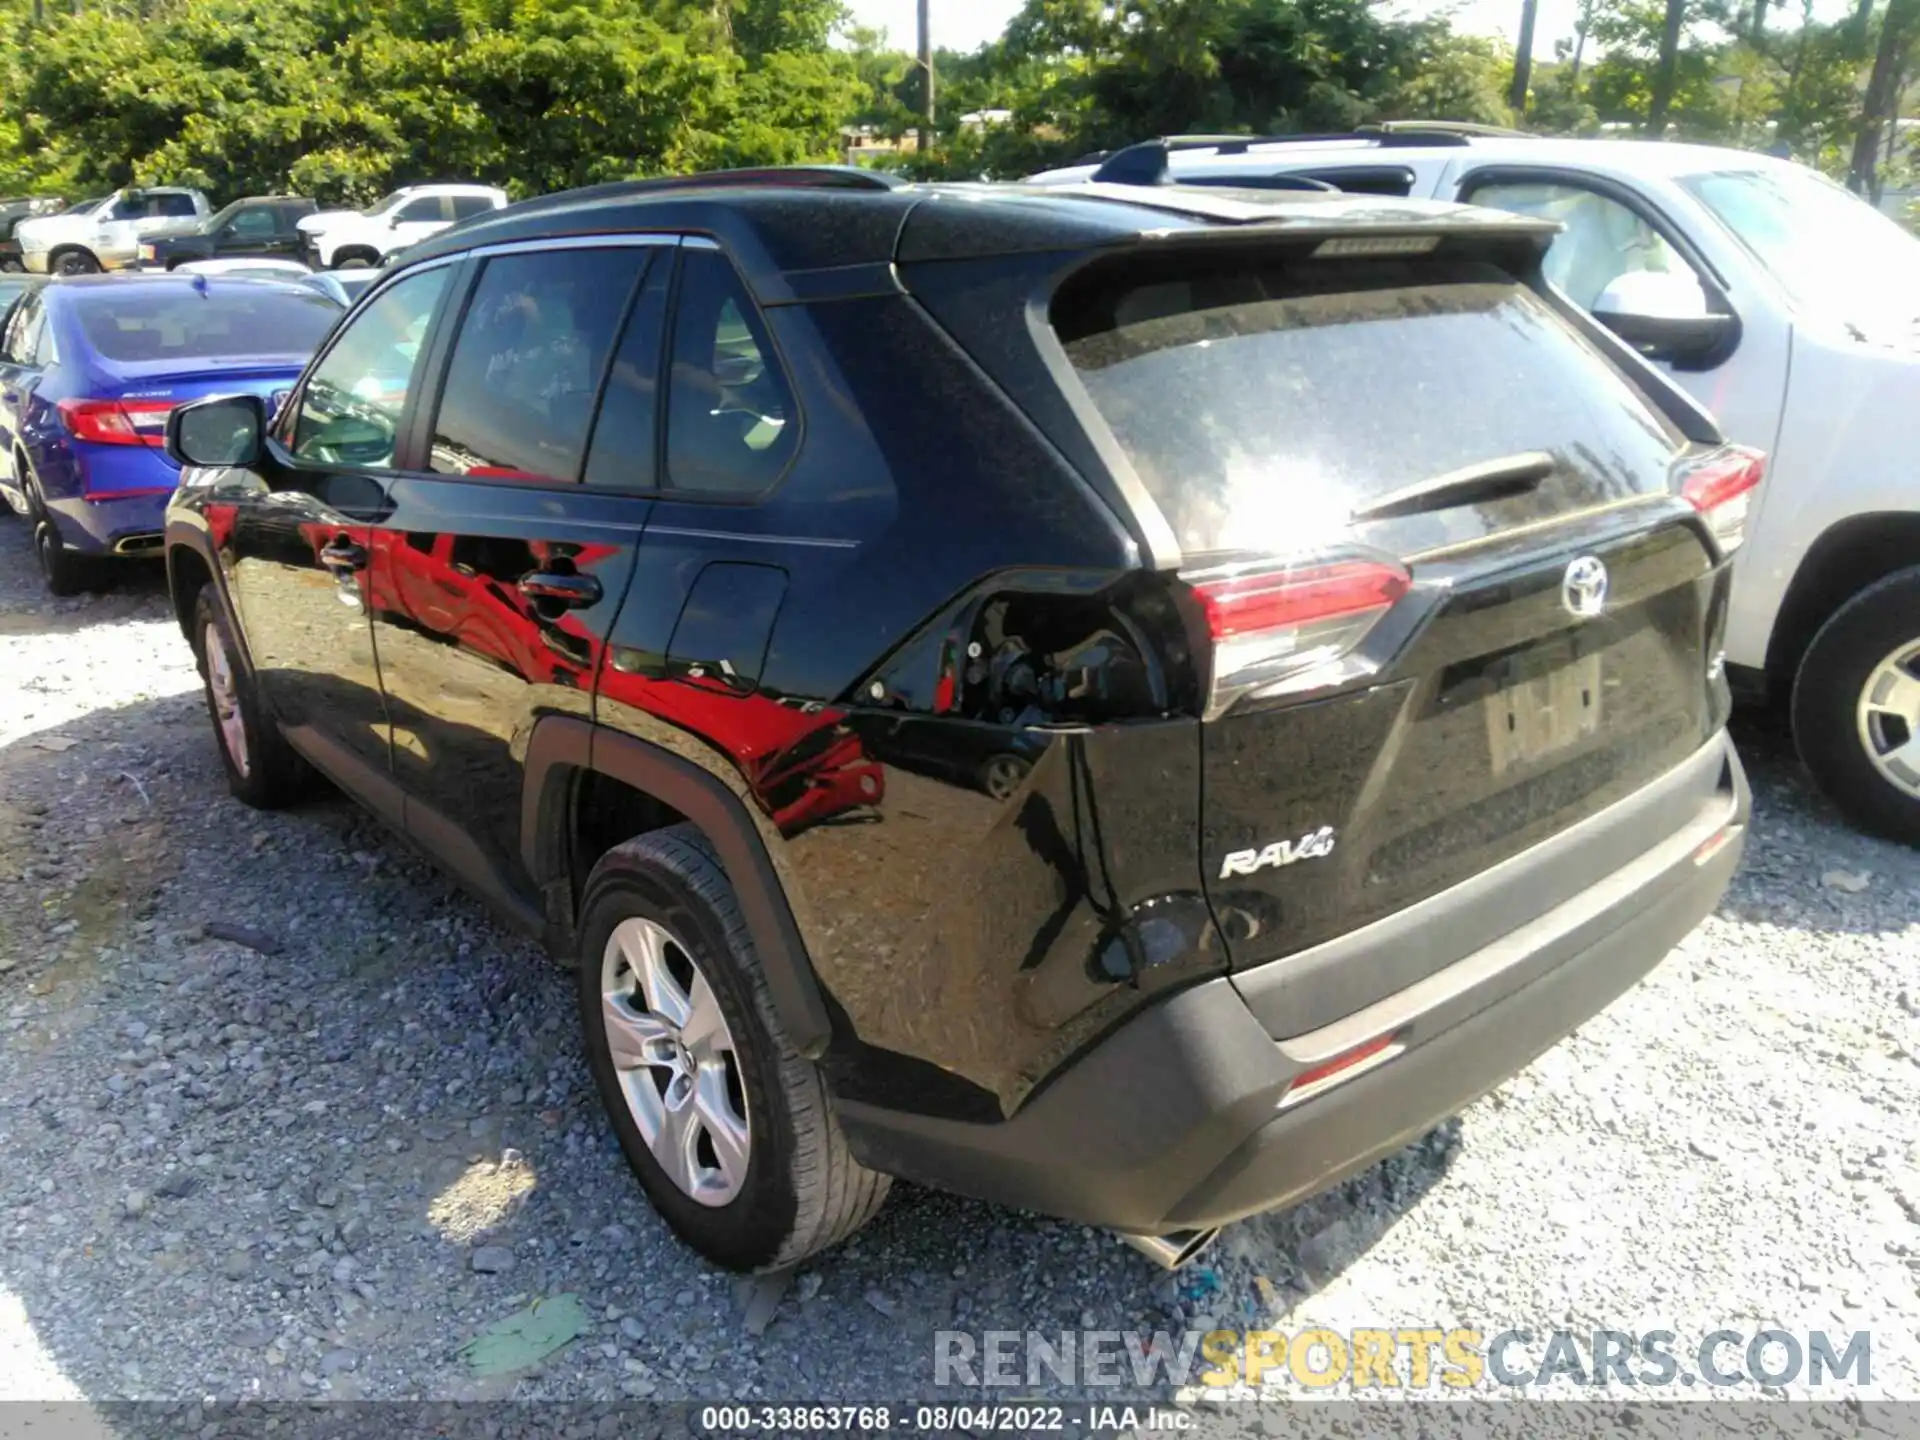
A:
(1311, 846)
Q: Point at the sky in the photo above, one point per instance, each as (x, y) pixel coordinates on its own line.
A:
(968, 24)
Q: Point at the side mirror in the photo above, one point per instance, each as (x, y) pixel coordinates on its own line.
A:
(1665, 316)
(222, 430)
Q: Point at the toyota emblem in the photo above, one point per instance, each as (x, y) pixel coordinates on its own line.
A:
(1583, 589)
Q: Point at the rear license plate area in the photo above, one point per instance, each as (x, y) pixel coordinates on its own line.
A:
(1550, 703)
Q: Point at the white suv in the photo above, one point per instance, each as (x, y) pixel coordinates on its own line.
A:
(408, 215)
(1784, 305)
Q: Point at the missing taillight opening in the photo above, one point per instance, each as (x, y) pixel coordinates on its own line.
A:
(1291, 625)
(1721, 487)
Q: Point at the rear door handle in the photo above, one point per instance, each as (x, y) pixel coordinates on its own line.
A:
(574, 591)
(344, 555)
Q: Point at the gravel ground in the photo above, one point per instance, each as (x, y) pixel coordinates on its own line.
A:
(314, 1173)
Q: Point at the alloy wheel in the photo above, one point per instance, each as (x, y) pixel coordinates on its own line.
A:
(675, 1059)
(1889, 718)
(226, 700)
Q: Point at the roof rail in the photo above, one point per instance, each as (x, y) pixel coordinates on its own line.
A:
(809, 177)
(1146, 162)
(1464, 128)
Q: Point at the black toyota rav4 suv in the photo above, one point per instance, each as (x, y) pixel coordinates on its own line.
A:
(1134, 703)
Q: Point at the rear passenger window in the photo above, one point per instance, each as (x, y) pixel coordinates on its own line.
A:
(173, 206)
(465, 207)
(622, 454)
(23, 332)
(527, 365)
(730, 412)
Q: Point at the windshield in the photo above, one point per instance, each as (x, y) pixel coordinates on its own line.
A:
(1827, 248)
(387, 204)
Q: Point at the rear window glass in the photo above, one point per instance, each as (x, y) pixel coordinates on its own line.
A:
(1262, 405)
(245, 318)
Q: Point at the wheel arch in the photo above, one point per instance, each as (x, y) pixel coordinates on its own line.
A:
(565, 754)
(1849, 556)
(70, 247)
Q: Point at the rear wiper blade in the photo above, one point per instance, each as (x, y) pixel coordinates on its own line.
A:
(1487, 480)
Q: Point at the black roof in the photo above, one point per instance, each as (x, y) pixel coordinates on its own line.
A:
(779, 225)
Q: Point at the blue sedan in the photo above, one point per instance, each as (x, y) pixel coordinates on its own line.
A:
(90, 368)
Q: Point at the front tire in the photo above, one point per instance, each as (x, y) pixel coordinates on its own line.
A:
(1856, 708)
(73, 262)
(726, 1126)
(262, 769)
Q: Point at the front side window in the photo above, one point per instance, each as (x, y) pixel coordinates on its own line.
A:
(1603, 240)
(520, 389)
(253, 224)
(730, 412)
(350, 409)
(425, 208)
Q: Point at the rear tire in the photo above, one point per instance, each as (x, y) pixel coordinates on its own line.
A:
(66, 571)
(1856, 708)
(784, 1185)
(262, 769)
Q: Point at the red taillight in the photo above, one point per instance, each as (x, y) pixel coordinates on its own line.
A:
(117, 422)
(1274, 625)
(1721, 487)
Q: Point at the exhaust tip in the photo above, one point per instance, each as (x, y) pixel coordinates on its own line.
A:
(139, 544)
(1173, 1250)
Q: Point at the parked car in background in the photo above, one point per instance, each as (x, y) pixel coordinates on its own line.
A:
(256, 269)
(1134, 706)
(411, 213)
(258, 227)
(1787, 307)
(12, 212)
(346, 286)
(90, 368)
(107, 234)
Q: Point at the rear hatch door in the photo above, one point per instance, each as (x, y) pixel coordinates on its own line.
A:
(1533, 606)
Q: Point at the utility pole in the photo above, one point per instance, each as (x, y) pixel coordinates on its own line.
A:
(1523, 59)
(926, 76)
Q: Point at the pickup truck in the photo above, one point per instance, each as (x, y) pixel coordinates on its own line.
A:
(13, 210)
(256, 226)
(410, 214)
(106, 234)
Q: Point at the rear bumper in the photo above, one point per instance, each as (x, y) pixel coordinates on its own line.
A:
(1176, 1120)
(113, 525)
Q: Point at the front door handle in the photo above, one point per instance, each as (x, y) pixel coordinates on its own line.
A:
(573, 591)
(344, 555)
